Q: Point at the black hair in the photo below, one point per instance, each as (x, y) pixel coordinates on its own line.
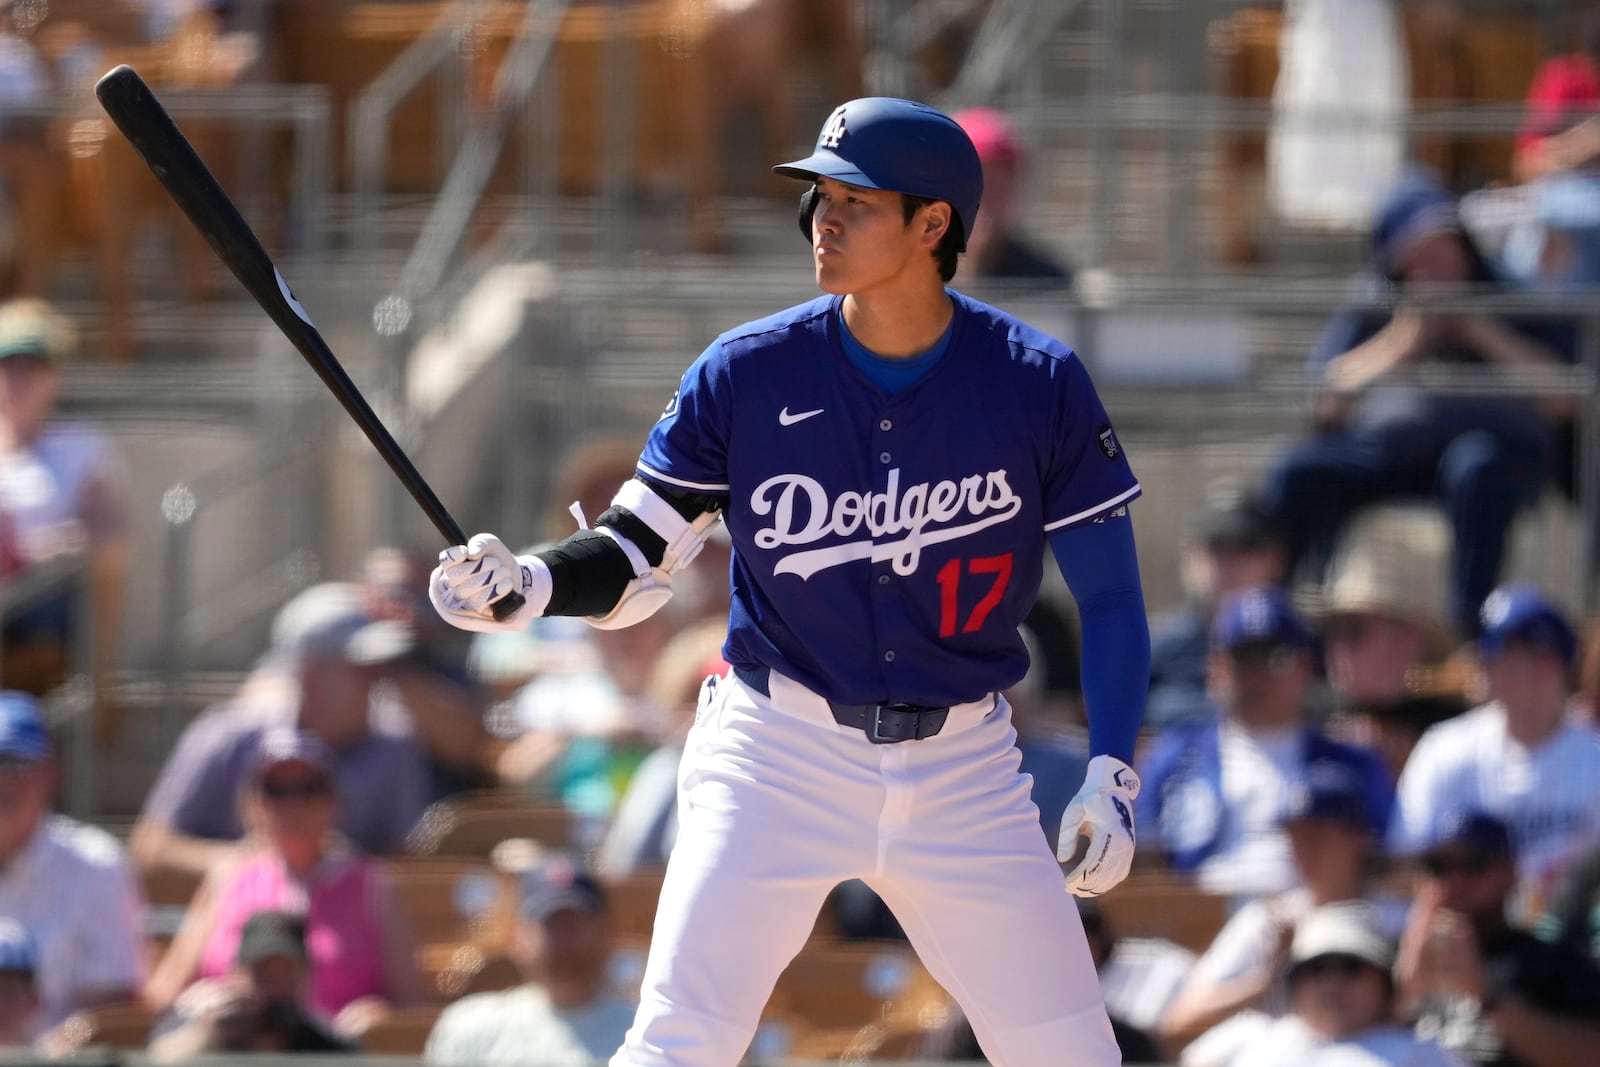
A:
(949, 245)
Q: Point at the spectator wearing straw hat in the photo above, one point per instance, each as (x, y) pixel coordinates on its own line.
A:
(61, 497)
(1386, 633)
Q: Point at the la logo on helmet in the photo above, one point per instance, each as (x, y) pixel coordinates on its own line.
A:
(833, 132)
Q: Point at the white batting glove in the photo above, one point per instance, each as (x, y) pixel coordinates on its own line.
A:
(471, 577)
(1102, 814)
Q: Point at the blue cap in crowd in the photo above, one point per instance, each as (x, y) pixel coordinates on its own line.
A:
(1259, 615)
(18, 954)
(1477, 831)
(1522, 614)
(1332, 790)
(23, 737)
(1417, 208)
(558, 882)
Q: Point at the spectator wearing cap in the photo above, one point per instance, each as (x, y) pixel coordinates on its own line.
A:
(996, 248)
(259, 1005)
(361, 951)
(1385, 432)
(564, 1015)
(445, 703)
(1468, 978)
(68, 884)
(1341, 995)
(1229, 545)
(61, 497)
(321, 676)
(1559, 129)
(1215, 790)
(1386, 637)
(1333, 848)
(19, 987)
(1519, 757)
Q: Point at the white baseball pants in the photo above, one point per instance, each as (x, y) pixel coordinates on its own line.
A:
(778, 803)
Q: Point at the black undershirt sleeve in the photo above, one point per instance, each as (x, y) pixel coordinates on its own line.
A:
(589, 571)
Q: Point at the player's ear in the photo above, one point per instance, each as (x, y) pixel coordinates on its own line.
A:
(936, 218)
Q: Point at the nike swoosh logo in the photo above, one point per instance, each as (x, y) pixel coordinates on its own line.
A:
(786, 419)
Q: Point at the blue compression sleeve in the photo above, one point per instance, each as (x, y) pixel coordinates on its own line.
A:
(1101, 567)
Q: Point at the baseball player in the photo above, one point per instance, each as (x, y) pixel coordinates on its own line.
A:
(891, 460)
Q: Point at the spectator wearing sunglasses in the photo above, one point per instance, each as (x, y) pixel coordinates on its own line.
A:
(1520, 757)
(1493, 993)
(359, 946)
(1216, 790)
(1341, 993)
(329, 672)
(1333, 849)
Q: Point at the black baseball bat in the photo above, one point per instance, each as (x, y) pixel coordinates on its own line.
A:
(133, 106)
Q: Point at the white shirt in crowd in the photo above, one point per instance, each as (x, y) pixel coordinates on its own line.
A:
(1549, 796)
(1259, 772)
(72, 889)
(521, 1028)
(1252, 1039)
(1250, 940)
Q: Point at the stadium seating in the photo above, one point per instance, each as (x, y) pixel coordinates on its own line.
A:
(1164, 906)
(472, 825)
(401, 1033)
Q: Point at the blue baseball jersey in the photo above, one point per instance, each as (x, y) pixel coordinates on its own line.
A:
(886, 548)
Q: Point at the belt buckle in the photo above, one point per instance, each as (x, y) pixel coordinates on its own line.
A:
(875, 734)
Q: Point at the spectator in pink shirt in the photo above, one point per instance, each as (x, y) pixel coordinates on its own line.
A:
(362, 960)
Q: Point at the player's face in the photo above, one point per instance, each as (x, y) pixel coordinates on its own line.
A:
(861, 241)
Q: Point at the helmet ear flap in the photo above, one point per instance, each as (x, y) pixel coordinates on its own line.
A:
(808, 207)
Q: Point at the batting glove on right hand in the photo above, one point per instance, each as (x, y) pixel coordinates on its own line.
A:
(471, 577)
(1102, 814)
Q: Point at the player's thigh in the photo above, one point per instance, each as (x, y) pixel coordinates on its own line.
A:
(768, 824)
(981, 896)
(1006, 941)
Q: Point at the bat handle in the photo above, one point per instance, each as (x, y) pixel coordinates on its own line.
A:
(507, 606)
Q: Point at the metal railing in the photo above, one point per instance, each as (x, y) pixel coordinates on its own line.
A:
(438, 246)
(441, 51)
(305, 109)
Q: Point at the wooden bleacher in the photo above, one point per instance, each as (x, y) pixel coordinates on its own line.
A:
(401, 1033)
(473, 825)
(1163, 906)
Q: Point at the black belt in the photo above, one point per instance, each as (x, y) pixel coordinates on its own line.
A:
(884, 724)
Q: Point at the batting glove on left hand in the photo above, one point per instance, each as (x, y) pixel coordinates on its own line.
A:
(1101, 813)
(471, 577)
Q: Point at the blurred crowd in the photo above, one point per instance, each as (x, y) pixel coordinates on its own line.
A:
(1380, 755)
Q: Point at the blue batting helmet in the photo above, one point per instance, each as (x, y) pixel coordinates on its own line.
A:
(879, 142)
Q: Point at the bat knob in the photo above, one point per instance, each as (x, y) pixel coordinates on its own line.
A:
(507, 606)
